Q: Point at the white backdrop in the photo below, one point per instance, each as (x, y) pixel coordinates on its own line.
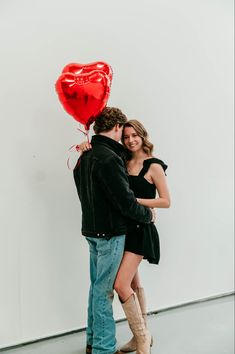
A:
(173, 70)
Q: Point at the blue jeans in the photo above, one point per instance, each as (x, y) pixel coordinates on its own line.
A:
(105, 259)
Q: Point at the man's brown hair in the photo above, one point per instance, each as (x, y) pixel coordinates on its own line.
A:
(108, 118)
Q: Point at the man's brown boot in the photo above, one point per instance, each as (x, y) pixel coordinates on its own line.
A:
(88, 349)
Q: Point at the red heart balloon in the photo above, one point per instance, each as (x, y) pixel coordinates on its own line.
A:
(83, 95)
(77, 68)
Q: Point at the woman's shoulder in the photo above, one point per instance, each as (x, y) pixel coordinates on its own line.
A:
(155, 160)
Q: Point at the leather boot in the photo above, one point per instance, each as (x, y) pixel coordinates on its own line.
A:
(136, 322)
(131, 345)
(89, 350)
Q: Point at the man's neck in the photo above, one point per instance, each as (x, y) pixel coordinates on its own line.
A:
(110, 135)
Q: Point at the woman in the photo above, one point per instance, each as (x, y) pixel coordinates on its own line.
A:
(146, 176)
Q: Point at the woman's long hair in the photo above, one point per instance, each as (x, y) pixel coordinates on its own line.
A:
(142, 133)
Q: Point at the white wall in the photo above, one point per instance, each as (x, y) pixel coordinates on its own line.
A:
(173, 70)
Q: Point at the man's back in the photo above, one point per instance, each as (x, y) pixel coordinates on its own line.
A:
(103, 190)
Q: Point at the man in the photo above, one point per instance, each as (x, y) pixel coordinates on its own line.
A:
(107, 202)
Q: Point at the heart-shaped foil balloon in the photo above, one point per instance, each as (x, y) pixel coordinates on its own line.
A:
(77, 68)
(84, 90)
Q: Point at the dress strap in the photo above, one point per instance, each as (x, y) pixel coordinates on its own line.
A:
(147, 164)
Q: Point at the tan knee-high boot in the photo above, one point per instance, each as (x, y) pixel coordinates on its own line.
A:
(136, 322)
(131, 345)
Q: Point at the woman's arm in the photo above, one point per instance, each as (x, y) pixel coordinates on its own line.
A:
(154, 203)
(159, 179)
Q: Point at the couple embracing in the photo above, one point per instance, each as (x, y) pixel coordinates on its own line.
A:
(117, 185)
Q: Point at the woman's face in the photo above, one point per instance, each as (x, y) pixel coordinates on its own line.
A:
(132, 140)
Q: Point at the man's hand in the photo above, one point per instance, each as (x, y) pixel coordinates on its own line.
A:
(154, 215)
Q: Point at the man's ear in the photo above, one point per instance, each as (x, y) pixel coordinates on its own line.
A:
(116, 127)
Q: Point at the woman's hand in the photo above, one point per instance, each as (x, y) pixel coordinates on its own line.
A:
(85, 146)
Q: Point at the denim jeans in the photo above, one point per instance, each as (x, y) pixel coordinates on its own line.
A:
(105, 259)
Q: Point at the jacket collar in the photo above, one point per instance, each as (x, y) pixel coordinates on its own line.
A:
(112, 144)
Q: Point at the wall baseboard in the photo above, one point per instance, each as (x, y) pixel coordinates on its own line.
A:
(78, 330)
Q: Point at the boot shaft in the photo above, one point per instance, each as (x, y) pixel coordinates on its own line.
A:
(136, 322)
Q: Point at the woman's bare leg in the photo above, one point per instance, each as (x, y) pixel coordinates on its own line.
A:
(128, 270)
(126, 273)
(135, 284)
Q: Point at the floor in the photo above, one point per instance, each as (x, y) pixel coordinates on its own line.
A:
(204, 328)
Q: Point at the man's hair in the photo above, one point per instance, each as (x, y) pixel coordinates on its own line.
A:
(108, 118)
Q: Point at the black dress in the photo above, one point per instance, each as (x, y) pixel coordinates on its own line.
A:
(141, 238)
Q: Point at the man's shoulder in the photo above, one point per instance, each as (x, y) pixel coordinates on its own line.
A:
(102, 159)
(103, 154)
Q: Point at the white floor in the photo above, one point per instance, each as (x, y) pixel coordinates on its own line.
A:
(205, 328)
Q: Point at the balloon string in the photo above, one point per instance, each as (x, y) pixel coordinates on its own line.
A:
(76, 148)
(86, 133)
(73, 148)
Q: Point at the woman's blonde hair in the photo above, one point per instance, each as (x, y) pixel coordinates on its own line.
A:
(141, 132)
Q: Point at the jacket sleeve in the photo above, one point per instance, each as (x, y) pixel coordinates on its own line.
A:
(114, 182)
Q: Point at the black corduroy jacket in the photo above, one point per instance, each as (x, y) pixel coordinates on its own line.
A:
(103, 189)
